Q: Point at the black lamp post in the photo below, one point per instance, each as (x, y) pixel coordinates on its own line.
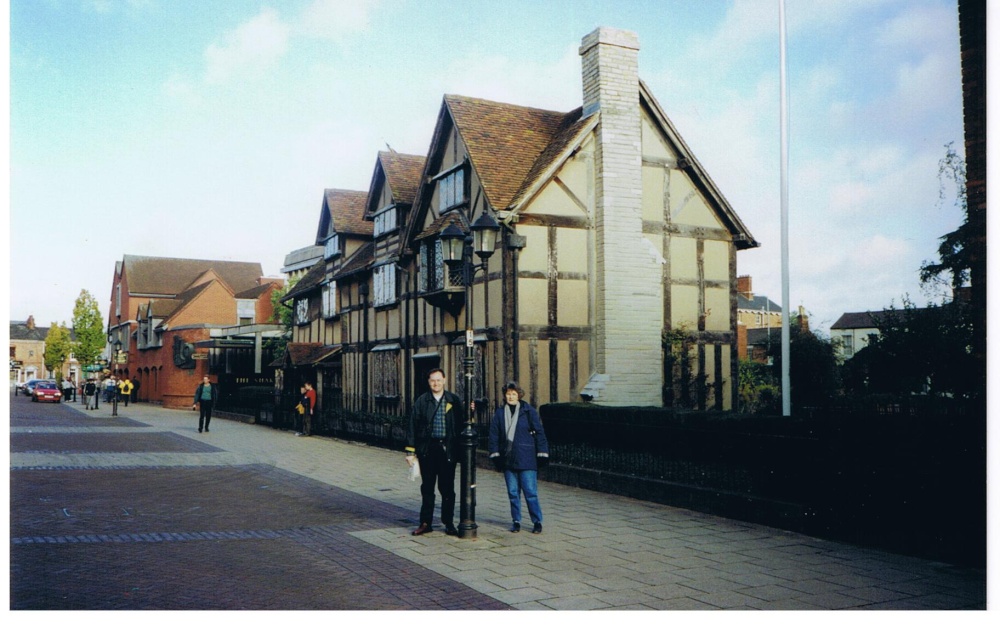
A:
(114, 395)
(457, 248)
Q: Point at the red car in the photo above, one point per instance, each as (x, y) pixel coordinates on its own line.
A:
(46, 392)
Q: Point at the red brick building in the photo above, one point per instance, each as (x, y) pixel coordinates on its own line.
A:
(177, 320)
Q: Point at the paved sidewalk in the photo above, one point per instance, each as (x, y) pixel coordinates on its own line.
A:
(597, 552)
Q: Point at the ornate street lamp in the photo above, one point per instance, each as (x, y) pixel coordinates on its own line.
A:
(457, 248)
(114, 395)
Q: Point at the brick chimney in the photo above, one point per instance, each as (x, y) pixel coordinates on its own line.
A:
(629, 278)
(31, 322)
(744, 286)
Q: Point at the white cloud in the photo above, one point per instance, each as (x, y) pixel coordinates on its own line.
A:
(918, 29)
(249, 50)
(336, 19)
(520, 81)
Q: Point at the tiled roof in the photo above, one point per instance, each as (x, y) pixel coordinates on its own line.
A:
(19, 331)
(305, 353)
(442, 222)
(254, 292)
(347, 211)
(757, 303)
(760, 336)
(860, 320)
(402, 174)
(309, 281)
(571, 127)
(163, 307)
(360, 260)
(168, 276)
(505, 141)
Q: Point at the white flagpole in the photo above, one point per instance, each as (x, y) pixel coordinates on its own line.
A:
(786, 360)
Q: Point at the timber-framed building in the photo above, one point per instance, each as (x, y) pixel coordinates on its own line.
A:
(614, 280)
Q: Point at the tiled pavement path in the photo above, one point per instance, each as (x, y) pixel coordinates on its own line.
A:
(142, 512)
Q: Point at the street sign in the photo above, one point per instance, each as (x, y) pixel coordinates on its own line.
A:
(199, 356)
(469, 338)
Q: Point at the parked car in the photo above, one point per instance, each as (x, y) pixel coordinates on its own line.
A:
(28, 387)
(46, 392)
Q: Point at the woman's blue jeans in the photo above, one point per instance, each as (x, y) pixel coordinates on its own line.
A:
(526, 482)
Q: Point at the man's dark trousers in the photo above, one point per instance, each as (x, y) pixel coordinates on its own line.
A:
(435, 468)
(205, 416)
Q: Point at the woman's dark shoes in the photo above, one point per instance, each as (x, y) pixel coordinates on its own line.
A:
(515, 527)
(422, 529)
(537, 528)
(450, 529)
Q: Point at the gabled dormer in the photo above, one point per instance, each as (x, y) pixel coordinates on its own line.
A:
(342, 228)
(393, 188)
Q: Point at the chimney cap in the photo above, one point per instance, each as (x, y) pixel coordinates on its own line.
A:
(611, 36)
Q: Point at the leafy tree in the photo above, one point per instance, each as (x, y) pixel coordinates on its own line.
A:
(757, 390)
(282, 315)
(58, 347)
(88, 327)
(813, 374)
(956, 247)
(917, 351)
(962, 261)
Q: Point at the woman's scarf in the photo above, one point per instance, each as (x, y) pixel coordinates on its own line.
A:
(510, 418)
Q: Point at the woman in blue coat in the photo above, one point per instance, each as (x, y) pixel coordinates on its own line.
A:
(517, 447)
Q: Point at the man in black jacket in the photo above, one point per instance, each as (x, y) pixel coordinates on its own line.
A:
(434, 424)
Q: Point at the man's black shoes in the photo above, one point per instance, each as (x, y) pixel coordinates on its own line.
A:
(422, 529)
(515, 527)
(450, 529)
(538, 528)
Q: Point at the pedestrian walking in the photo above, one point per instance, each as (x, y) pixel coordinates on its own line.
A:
(109, 389)
(300, 411)
(90, 394)
(430, 439)
(125, 390)
(135, 390)
(67, 390)
(517, 447)
(205, 397)
(308, 409)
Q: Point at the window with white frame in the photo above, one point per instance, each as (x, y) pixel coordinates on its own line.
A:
(386, 221)
(384, 278)
(118, 300)
(847, 344)
(330, 300)
(451, 190)
(331, 248)
(302, 311)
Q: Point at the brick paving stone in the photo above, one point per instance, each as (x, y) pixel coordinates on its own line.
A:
(141, 512)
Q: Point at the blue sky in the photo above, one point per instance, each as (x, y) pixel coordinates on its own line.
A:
(226, 120)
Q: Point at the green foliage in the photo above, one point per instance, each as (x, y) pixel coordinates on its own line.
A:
(89, 328)
(956, 246)
(282, 315)
(917, 351)
(757, 389)
(58, 347)
(940, 349)
(813, 372)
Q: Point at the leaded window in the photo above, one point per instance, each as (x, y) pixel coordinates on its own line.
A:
(385, 284)
(330, 300)
(385, 373)
(302, 311)
(451, 190)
